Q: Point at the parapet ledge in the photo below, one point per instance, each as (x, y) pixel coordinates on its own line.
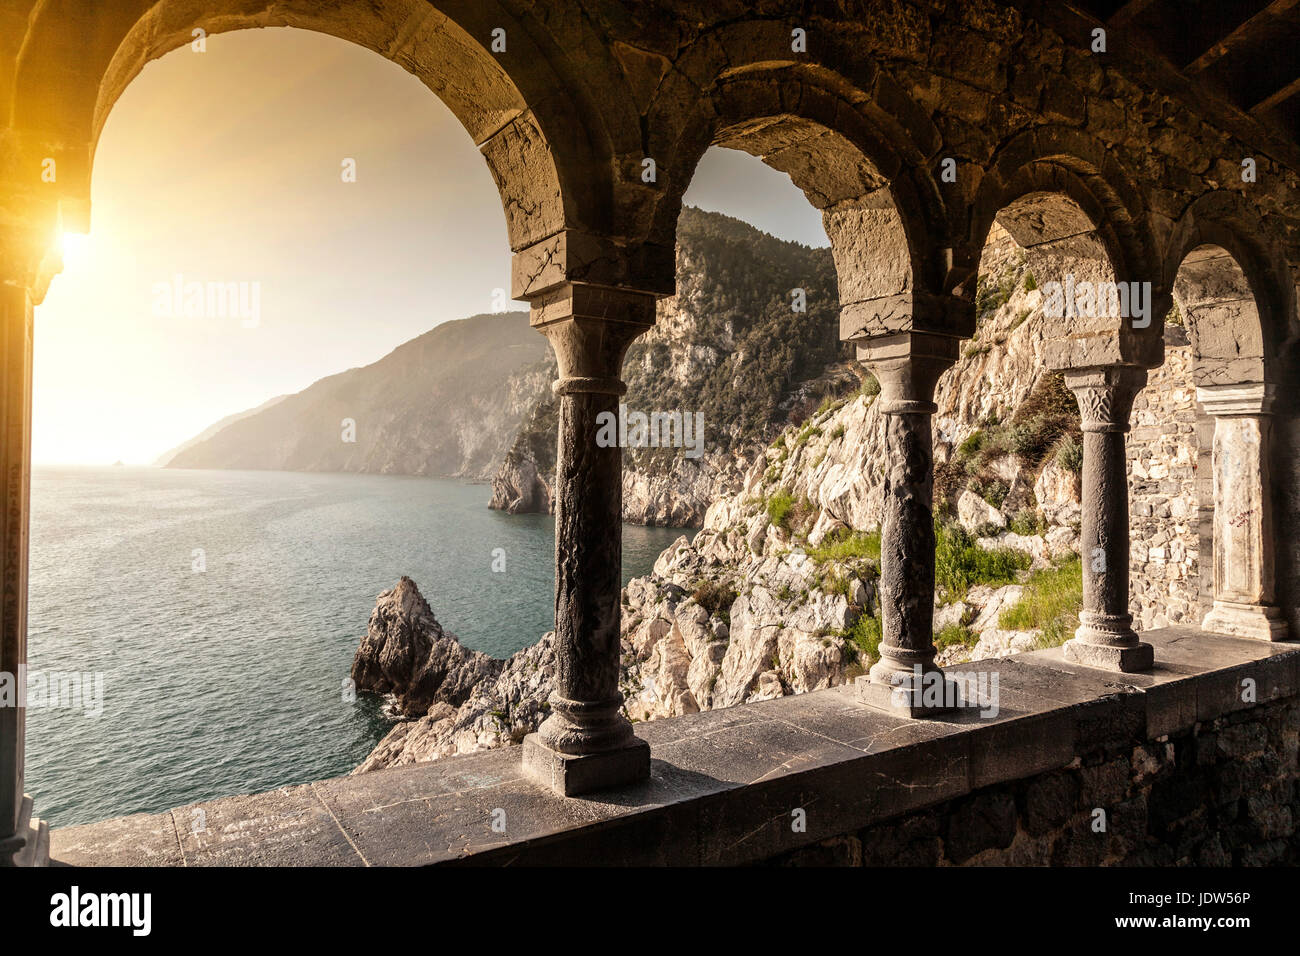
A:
(726, 786)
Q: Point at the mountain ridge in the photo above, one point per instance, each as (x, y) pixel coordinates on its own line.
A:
(375, 418)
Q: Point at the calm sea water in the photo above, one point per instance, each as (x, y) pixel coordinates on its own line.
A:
(229, 680)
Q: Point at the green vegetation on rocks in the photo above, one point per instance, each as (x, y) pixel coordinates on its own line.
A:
(1050, 603)
(960, 564)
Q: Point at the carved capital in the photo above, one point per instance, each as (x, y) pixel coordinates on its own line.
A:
(590, 329)
(1106, 395)
(908, 366)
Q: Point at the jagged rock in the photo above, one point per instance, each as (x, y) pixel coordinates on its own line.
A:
(755, 631)
(1033, 545)
(665, 689)
(464, 700)
(999, 643)
(500, 712)
(973, 513)
(992, 603)
(407, 654)
(766, 687)
(518, 489)
(1062, 541)
(1057, 494)
(958, 612)
(859, 593)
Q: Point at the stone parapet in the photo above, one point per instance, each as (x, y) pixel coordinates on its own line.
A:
(810, 773)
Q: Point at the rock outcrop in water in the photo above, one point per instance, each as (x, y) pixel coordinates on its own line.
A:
(407, 654)
(456, 700)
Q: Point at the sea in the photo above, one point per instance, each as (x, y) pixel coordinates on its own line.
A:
(191, 632)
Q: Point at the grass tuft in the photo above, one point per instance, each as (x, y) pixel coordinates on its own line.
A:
(1052, 599)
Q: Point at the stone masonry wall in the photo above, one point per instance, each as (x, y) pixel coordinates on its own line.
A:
(1164, 506)
(1224, 793)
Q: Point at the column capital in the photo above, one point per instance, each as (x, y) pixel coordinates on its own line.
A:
(1105, 395)
(1248, 399)
(908, 366)
(590, 328)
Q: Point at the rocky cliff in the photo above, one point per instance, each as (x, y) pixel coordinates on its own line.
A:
(729, 346)
(776, 594)
(447, 403)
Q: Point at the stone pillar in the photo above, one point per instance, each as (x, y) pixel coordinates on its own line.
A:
(587, 744)
(24, 840)
(1105, 637)
(1243, 513)
(908, 366)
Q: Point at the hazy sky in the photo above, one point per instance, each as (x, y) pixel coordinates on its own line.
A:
(224, 167)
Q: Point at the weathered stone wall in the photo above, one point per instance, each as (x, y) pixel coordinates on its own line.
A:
(1164, 464)
(1224, 793)
(1286, 489)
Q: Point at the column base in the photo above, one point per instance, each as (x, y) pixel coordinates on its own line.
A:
(1261, 622)
(570, 775)
(935, 695)
(30, 845)
(1128, 658)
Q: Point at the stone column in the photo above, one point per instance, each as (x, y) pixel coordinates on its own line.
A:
(587, 744)
(24, 840)
(1243, 513)
(1105, 637)
(908, 366)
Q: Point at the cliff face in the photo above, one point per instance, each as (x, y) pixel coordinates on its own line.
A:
(777, 593)
(730, 347)
(447, 403)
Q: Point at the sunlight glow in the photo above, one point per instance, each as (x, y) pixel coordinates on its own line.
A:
(78, 249)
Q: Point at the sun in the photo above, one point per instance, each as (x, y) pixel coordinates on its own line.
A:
(77, 250)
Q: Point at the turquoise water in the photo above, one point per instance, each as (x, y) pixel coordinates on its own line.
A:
(229, 679)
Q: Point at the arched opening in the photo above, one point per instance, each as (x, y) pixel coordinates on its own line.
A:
(223, 634)
(1011, 458)
(1228, 365)
(505, 99)
(805, 427)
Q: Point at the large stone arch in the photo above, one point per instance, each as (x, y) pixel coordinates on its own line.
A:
(548, 153)
(1064, 198)
(852, 141)
(1233, 288)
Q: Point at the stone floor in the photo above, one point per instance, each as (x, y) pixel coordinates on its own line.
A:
(725, 785)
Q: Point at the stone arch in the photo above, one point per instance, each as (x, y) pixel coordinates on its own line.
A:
(1232, 283)
(1232, 288)
(534, 138)
(854, 161)
(1065, 200)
